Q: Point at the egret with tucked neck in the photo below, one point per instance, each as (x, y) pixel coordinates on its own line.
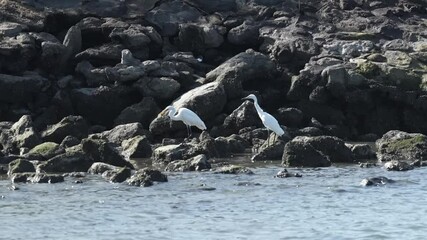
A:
(269, 121)
(188, 117)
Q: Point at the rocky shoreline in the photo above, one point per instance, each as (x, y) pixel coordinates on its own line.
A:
(83, 85)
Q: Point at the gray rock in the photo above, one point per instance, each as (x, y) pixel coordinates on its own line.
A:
(106, 54)
(123, 132)
(69, 141)
(128, 73)
(136, 147)
(215, 6)
(198, 37)
(197, 163)
(145, 177)
(24, 135)
(17, 53)
(75, 126)
(243, 116)
(100, 150)
(72, 42)
(246, 34)
(96, 76)
(362, 151)
(45, 178)
(10, 29)
(20, 166)
(337, 79)
(396, 165)
(158, 88)
(291, 117)
(100, 168)
(166, 154)
(398, 145)
(300, 153)
(376, 181)
(70, 161)
(285, 174)
(117, 175)
(128, 59)
(51, 57)
(45, 151)
(233, 169)
(271, 149)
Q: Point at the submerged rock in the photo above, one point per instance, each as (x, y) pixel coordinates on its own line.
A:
(20, 166)
(145, 177)
(197, 163)
(376, 181)
(233, 169)
(395, 165)
(285, 174)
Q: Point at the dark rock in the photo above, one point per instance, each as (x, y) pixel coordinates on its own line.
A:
(20, 166)
(45, 151)
(197, 163)
(246, 34)
(300, 153)
(100, 150)
(72, 161)
(362, 151)
(122, 132)
(143, 112)
(21, 177)
(102, 105)
(45, 178)
(145, 177)
(100, 168)
(16, 56)
(117, 175)
(69, 141)
(376, 181)
(285, 174)
(271, 149)
(243, 116)
(291, 117)
(169, 153)
(198, 37)
(11, 29)
(158, 88)
(398, 145)
(24, 134)
(75, 126)
(396, 165)
(106, 54)
(21, 89)
(214, 6)
(367, 165)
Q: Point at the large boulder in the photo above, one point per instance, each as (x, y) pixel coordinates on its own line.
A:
(45, 151)
(20, 166)
(75, 126)
(123, 132)
(143, 112)
(21, 89)
(206, 101)
(197, 163)
(403, 146)
(136, 147)
(319, 151)
(117, 175)
(70, 161)
(145, 177)
(158, 88)
(100, 168)
(243, 116)
(16, 54)
(24, 134)
(244, 68)
(102, 105)
(99, 150)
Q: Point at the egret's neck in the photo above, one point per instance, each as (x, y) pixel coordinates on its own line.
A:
(257, 107)
(172, 112)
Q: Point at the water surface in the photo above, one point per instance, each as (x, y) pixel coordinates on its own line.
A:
(326, 203)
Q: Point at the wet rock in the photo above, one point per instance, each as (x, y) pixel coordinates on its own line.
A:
(376, 181)
(45, 178)
(70, 161)
(145, 177)
(299, 153)
(143, 112)
(10, 29)
(233, 169)
(75, 174)
(75, 126)
(285, 174)
(100, 150)
(169, 153)
(226, 146)
(117, 175)
(100, 168)
(197, 163)
(291, 117)
(21, 177)
(20, 166)
(398, 145)
(243, 116)
(271, 149)
(45, 151)
(367, 165)
(136, 147)
(21, 89)
(102, 105)
(362, 151)
(395, 165)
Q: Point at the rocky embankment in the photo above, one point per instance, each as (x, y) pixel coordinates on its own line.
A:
(82, 84)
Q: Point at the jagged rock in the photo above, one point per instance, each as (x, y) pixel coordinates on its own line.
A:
(75, 126)
(243, 116)
(102, 105)
(169, 153)
(197, 163)
(145, 177)
(362, 151)
(21, 89)
(24, 135)
(20, 166)
(100, 150)
(100, 167)
(291, 117)
(272, 148)
(143, 112)
(122, 132)
(395, 165)
(117, 175)
(106, 54)
(158, 88)
(45, 178)
(285, 174)
(128, 59)
(299, 153)
(70, 161)
(246, 34)
(45, 151)
(198, 37)
(16, 55)
(398, 145)
(69, 141)
(136, 147)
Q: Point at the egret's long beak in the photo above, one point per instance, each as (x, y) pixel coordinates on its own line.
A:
(245, 98)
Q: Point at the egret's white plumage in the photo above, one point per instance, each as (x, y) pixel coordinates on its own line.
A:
(188, 117)
(269, 121)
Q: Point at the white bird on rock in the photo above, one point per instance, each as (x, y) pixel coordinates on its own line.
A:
(269, 121)
(188, 117)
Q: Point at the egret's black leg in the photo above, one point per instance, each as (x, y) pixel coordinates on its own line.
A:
(268, 137)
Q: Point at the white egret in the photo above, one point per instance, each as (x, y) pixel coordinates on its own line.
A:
(188, 117)
(269, 121)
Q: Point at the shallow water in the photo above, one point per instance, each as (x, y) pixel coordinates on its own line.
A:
(327, 203)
